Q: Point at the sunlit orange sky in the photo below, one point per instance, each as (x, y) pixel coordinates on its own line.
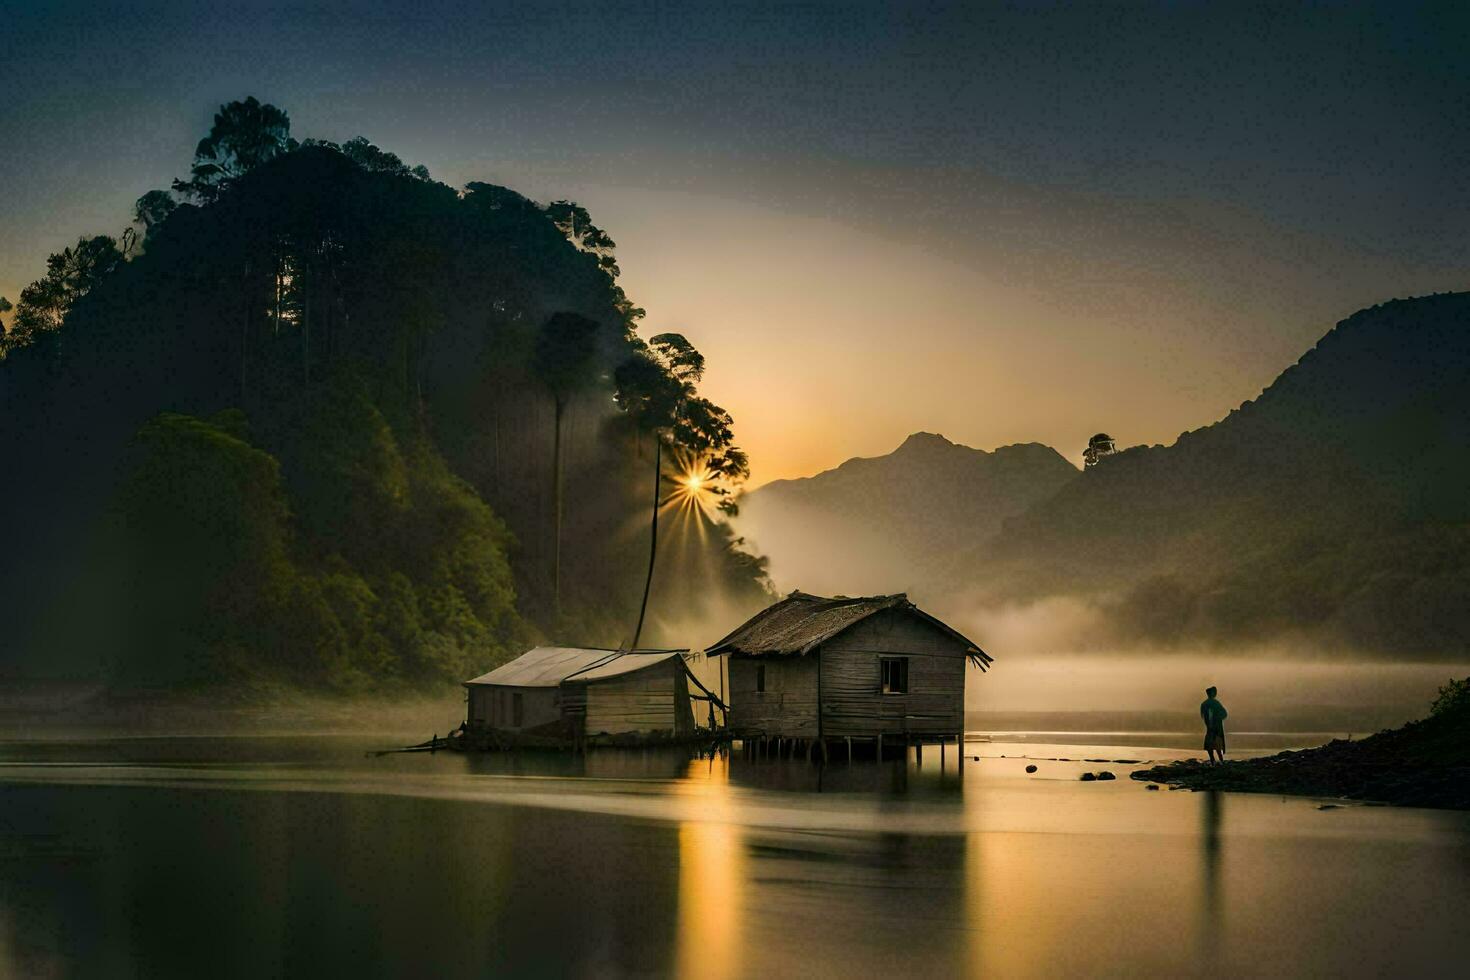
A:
(998, 223)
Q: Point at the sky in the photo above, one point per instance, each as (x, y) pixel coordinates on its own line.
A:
(1003, 223)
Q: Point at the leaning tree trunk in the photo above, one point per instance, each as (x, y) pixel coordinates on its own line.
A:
(556, 499)
(653, 535)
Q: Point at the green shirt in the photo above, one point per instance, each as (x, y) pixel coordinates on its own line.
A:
(1213, 713)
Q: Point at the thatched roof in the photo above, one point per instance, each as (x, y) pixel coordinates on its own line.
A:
(800, 623)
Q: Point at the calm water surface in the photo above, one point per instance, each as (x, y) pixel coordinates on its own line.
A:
(303, 856)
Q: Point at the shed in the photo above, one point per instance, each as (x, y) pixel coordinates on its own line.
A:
(815, 668)
(579, 692)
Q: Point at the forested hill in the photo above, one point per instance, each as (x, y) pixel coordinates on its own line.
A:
(1333, 510)
(318, 420)
(879, 524)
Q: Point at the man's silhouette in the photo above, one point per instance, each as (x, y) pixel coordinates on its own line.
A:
(1213, 713)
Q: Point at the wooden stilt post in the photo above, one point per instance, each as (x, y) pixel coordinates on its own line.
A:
(919, 753)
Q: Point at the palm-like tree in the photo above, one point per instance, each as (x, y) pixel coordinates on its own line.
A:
(657, 388)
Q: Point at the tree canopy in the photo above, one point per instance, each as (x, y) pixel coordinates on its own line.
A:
(304, 432)
(1099, 447)
(245, 135)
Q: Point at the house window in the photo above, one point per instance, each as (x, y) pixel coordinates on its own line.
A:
(517, 710)
(893, 673)
(760, 678)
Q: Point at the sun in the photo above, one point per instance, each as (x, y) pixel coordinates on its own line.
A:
(695, 486)
(695, 480)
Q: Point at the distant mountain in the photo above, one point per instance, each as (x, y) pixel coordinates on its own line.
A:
(884, 524)
(1332, 511)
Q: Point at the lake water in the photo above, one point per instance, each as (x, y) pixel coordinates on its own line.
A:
(304, 856)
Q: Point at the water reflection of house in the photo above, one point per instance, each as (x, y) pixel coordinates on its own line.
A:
(818, 670)
(574, 693)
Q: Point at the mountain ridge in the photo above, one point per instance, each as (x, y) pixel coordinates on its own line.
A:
(927, 486)
(1330, 512)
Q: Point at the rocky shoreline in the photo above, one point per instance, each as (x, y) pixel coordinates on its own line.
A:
(1425, 763)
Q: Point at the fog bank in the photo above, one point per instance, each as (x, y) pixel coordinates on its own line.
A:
(1261, 695)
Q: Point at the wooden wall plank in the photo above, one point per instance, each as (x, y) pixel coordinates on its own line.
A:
(853, 702)
(642, 702)
(788, 706)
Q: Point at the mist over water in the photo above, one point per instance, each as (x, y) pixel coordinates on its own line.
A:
(1054, 661)
(1162, 692)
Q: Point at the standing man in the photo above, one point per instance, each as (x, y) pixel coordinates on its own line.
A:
(1213, 714)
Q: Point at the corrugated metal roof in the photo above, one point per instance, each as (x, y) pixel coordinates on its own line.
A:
(623, 663)
(550, 666)
(800, 623)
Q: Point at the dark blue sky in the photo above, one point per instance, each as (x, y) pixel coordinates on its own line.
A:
(1020, 221)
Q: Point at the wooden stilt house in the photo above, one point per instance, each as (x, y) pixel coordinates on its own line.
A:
(817, 670)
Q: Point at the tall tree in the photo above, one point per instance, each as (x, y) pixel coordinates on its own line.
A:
(565, 359)
(70, 275)
(152, 209)
(656, 387)
(1098, 448)
(576, 224)
(244, 135)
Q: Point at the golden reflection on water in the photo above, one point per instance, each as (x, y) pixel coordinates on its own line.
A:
(1067, 897)
(711, 876)
(1002, 891)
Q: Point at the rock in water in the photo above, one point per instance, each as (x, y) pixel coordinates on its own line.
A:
(1150, 786)
(1106, 775)
(1087, 777)
(1030, 768)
